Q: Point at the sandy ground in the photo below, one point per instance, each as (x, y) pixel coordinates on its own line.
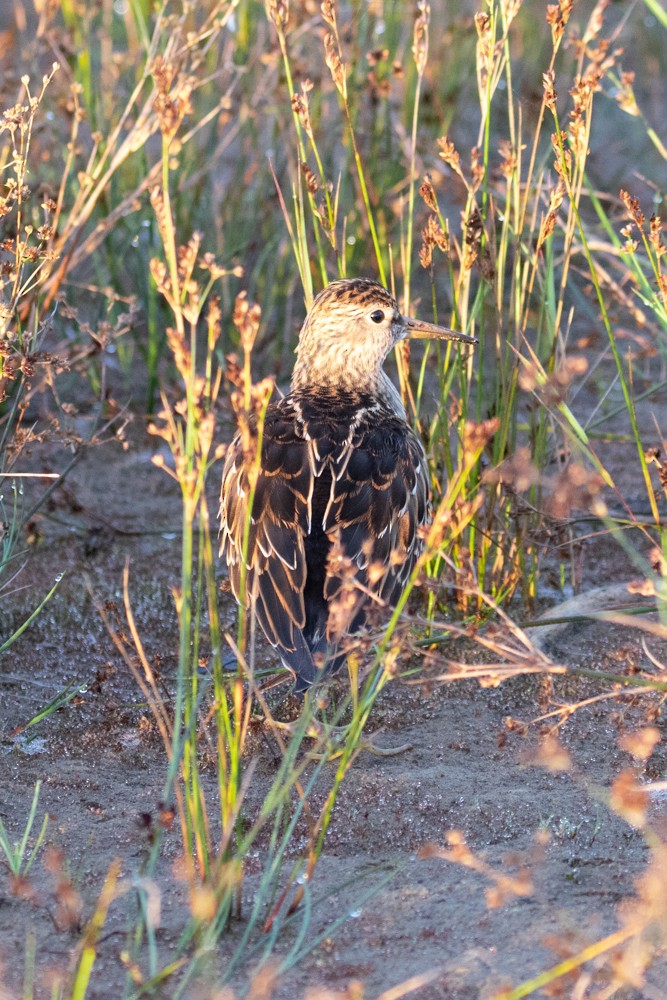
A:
(102, 770)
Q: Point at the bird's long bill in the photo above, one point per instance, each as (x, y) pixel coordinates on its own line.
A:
(418, 330)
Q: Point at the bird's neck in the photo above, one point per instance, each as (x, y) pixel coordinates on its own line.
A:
(391, 397)
(349, 386)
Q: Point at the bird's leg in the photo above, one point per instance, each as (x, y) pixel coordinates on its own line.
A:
(372, 747)
(341, 733)
(368, 743)
(365, 743)
(317, 731)
(336, 736)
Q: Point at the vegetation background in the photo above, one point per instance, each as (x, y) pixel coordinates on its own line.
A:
(179, 181)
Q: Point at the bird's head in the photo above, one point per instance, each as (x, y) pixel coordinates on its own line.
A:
(350, 328)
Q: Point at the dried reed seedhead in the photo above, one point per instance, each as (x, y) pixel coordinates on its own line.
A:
(313, 186)
(582, 98)
(633, 209)
(99, 158)
(378, 82)
(301, 107)
(427, 192)
(328, 8)
(248, 402)
(476, 436)
(180, 350)
(458, 849)
(551, 755)
(158, 205)
(473, 229)
(655, 235)
(576, 488)
(641, 742)
(25, 238)
(462, 514)
(420, 36)
(172, 99)
(630, 245)
(28, 234)
(517, 472)
(249, 399)
(484, 47)
(509, 161)
(449, 154)
(504, 887)
(207, 262)
(345, 604)
(432, 236)
(629, 800)
(436, 532)
(186, 298)
(510, 9)
(595, 22)
(476, 168)
(552, 389)
(246, 320)
(22, 888)
(548, 224)
(654, 243)
(549, 87)
(333, 54)
(558, 14)
(278, 11)
(653, 456)
(512, 725)
(562, 155)
(334, 60)
(658, 561)
(233, 370)
(327, 227)
(15, 118)
(645, 918)
(377, 56)
(625, 95)
(69, 905)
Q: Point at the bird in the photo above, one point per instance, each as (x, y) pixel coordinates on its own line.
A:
(343, 488)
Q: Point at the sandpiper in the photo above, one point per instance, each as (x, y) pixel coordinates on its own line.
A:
(343, 486)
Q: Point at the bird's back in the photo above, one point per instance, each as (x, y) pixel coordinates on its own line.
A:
(341, 492)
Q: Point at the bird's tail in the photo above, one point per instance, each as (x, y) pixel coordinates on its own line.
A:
(310, 666)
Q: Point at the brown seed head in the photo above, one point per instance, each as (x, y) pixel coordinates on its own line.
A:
(420, 36)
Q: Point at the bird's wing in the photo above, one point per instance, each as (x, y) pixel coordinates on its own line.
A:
(275, 562)
(379, 499)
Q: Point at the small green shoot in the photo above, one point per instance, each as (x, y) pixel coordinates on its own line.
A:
(16, 853)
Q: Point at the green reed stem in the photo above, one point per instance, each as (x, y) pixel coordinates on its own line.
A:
(629, 403)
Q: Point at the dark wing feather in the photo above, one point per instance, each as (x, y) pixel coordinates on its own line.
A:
(281, 514)
(379, 499)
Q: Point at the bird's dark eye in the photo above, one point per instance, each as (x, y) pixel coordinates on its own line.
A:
(377, 316)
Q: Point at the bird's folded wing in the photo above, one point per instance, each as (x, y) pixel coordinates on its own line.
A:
(272, 574)
(379, 499)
